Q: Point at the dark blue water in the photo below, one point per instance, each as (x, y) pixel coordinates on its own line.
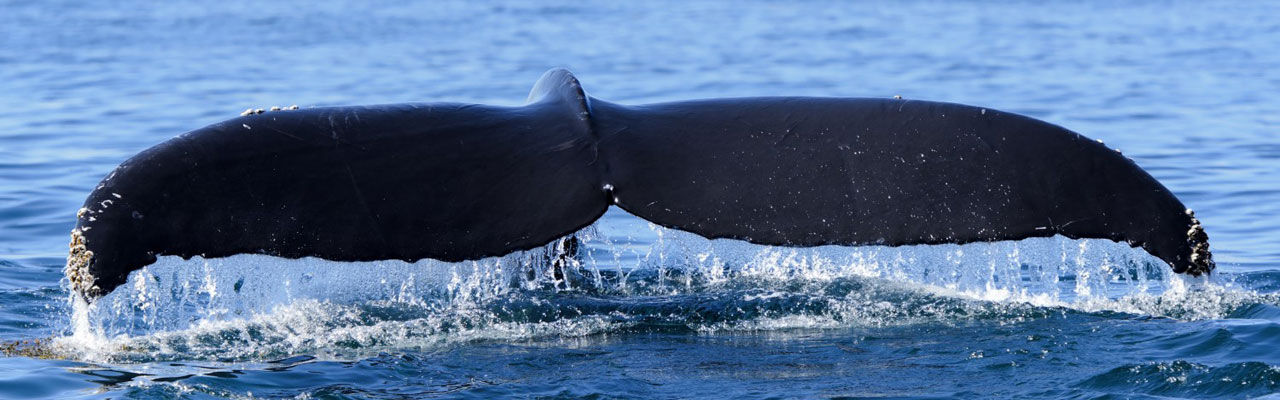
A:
(1188, 90)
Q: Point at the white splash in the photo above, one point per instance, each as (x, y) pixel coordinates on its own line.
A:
(249, 307)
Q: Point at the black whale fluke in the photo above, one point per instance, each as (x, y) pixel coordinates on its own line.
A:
(457, 182)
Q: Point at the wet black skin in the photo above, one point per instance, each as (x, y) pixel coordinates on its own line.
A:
(461, 181)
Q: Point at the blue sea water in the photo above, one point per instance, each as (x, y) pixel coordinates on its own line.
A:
(1187, 89)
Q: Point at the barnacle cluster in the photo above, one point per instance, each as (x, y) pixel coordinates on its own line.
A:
(1201, 258)
(78, 260)
(252, 111)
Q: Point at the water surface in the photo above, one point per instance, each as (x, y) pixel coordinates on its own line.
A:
(1185, 89)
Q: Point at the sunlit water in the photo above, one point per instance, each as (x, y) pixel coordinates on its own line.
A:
(1187, 90)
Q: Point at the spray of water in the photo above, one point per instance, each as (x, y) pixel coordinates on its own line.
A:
(626, 276)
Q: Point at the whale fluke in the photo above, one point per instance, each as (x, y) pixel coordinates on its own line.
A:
(459, 182)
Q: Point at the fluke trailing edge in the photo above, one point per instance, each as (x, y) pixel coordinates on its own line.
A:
(463, 181)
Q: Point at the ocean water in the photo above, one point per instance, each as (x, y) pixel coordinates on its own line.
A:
(1187, 89)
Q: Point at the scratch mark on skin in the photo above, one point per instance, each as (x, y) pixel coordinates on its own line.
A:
(1064, 226)
(355, 188)
(286, 133)
(563, 146)
(355, 185)
(784, 137)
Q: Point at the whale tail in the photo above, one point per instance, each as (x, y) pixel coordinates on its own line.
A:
(462, 181)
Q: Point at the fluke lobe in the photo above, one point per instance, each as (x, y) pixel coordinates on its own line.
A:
(455, 182)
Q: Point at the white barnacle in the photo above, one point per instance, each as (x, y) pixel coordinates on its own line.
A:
(78, 259)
